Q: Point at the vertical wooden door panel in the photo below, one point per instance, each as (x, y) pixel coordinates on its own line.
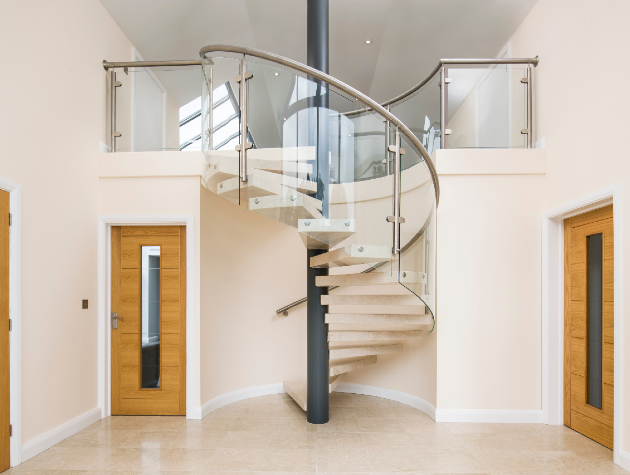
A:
(116, 307)
(5, 412)
(161, 390)
(588, 419)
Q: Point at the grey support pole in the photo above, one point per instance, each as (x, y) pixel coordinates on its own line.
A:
(317, 330)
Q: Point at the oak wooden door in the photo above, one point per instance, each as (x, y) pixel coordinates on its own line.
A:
(589, 325)
(148, 335)
(5, 419)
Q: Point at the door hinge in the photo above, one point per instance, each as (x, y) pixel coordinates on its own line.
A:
(10, 430)
(10, 219)
(10, 324)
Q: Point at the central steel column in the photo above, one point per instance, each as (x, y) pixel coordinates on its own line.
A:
(317, 337)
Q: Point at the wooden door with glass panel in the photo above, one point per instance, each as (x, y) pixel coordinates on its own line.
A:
(148, 320)
(589, 325)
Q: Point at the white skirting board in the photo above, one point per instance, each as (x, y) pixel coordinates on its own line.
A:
(438, 415)
(490, 416)
(52, 437)
(228, 398)
(391, 394)
(624, 460)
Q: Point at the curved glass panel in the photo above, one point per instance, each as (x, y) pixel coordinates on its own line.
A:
(420, 112)
(416, 260)
(320, 162)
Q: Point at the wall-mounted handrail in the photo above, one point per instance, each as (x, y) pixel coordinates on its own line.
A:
(375, 106)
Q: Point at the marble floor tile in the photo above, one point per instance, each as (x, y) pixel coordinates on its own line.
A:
(270, 435)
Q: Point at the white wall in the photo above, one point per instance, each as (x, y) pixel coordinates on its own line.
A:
(489, 279)
(581, 110)
(54, 114)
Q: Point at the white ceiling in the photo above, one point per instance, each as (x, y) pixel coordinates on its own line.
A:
(408, 37)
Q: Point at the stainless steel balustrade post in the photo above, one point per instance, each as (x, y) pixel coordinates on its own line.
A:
(244, 145)
(396, 218)
(207, 72)
(112, 106)
(114, 133)
(443, 107)
(530, 128)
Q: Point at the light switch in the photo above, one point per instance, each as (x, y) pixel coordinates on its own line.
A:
(84, 304)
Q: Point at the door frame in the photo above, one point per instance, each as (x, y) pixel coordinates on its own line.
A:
(15, 303)
(105, 224)
(553, 305)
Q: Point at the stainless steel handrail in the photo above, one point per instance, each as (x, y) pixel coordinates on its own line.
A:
(461, 61)
(150, 64)
(274, 58)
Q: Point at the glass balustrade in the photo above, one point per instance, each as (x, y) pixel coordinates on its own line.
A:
(158, 109)
(487, 107)
(318, 159)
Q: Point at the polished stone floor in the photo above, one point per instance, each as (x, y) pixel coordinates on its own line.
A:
(365, 434)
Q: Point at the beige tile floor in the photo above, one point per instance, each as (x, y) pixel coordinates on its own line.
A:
(365, 435)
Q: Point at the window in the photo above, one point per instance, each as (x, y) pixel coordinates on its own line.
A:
(225, 121)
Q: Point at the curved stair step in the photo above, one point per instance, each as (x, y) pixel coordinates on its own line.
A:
(350, 352)
(334, 381)
(348, 364)
(224, 167)
(265, 184)
(352, 255)
(380, 335)
(297, 389)
(284, 209)
(287, 154)
(325, 233)
(372, 278)
(369, 278)
(405, 300)
(378, 318)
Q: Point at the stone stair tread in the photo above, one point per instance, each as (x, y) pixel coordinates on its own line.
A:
(325, 233)
(377, 335)
(261, 183)
(354, 254)
(366, 350)
(386, 318)
(349, 364)
(369, 278)
(297, 390)
(334, 381)
(283, 209)
(404, 300)
(230, 165)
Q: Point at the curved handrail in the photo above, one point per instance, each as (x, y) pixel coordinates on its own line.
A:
(274, 58)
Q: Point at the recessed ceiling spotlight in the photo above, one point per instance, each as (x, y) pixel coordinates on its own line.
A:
(275, 74)
(367, 42)
(285, 118)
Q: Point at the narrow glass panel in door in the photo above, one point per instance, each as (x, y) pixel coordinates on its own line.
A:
(595, 313)
(150, 317)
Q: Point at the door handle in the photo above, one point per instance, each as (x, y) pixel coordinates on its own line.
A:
(115, 318)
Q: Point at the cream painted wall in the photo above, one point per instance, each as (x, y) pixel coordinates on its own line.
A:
(53, 116)
(489, 280)
(250, 267)
(159, 195)
(577, 41)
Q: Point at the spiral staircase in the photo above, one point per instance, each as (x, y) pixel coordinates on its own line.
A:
(350, 177)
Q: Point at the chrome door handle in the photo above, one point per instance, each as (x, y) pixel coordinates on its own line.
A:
(115, 319)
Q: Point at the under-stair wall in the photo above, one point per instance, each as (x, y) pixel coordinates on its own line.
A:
(489, 285)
